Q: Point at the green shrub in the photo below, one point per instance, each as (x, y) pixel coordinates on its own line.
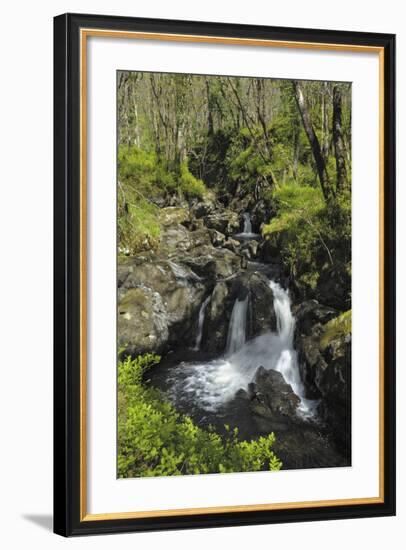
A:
(313, 238)
(155, 440)
(297, 206)
(138, 226)
(190, 186)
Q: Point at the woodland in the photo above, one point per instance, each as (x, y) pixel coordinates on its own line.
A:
(234, 274)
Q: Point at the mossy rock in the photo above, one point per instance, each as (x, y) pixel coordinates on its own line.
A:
(335, 329)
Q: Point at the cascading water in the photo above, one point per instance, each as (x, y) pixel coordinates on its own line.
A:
(200, 324)
(247, 223)
(237, 329)
(247, 233)
(213, 383)
(285, 322)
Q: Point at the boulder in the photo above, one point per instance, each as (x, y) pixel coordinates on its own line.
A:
(268, 250)
(218, 315)
(173, 215)
(273, 402)
(232, 245)
(158, 302)
(250, 249)
(213, 263)
(142, 322)
(225, 221)
(217, 238)
(324, 355)
(310, 313)
(262, 317)
(260, 213)
(203, 208)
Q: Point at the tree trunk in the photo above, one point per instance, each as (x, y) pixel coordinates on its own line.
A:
(210, 126)
(314, 142)
(339, 147)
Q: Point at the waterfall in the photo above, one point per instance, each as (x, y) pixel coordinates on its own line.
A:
(200, 324)
(285, 321)
(247, 223)
(287, 364)
(236, 331)
(213, 383)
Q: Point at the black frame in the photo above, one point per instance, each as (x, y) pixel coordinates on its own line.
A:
(67, 274)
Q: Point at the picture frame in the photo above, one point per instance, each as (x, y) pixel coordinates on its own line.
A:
(72, 280)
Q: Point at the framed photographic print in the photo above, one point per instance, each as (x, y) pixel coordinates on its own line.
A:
(224, 274)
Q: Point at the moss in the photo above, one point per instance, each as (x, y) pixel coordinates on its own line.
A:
(336, 328)
(189, 185)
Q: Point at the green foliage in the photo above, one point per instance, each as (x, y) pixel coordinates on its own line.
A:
(155, 440)
(336, 328)
(297, 205)
(246, 164)
(313, 238)
(143, 179)
(190, 186)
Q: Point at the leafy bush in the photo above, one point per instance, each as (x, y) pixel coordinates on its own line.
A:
(155, 440)
(143, 179)
(296, 205)
(138, 228)
(313, 239)
(190, 186)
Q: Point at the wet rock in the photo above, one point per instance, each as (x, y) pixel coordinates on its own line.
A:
(158, 302)
(217, 238)
(142, 321)
(250, 249)
(232, 244)
(325, 365)
(261, 213)
(273, 402)
(269, 250)
(218, 315)
(203, 208)
(310, 313)
(334, 383)
(213, 263)
(262, 317)
(245, 253)
(334, 286)
(226, 222)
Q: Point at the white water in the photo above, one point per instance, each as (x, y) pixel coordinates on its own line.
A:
(215, 382)
(237, 328)
(285, 322)
(247, 223)
(202, 313)
(247, 231)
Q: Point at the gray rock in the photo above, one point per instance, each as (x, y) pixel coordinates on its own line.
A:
(226, 222)
(217, 238)
(309, 313)
(273, 402)
(217, 319)
(250, 249)
(262, 317)
(232, 244)
(325, 370)
(158, 302)
(142, 321)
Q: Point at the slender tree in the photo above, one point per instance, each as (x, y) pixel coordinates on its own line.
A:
(313, 140)
(338, 141)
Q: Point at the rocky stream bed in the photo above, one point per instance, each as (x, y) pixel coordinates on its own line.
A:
(236, 348)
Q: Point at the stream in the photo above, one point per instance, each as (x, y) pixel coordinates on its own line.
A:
(208, 388)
